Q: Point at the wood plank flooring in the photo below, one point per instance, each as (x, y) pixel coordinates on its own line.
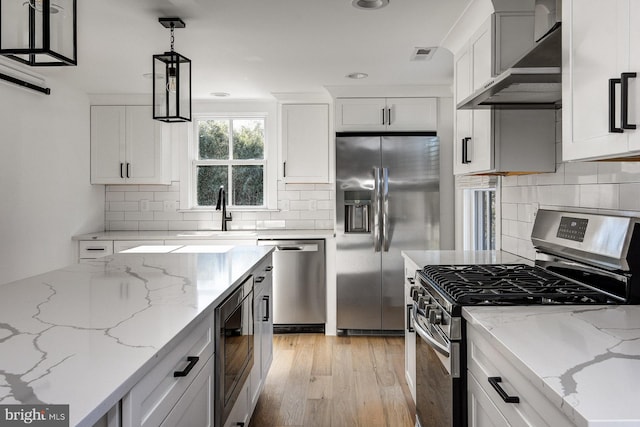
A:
(317, 380)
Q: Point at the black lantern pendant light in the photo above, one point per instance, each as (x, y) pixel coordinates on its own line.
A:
(39, 32)
(171, 81)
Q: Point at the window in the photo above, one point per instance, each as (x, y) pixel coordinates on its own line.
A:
(230, 152)
(480, 219)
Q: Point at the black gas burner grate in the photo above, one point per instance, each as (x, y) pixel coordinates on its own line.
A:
(508, 284)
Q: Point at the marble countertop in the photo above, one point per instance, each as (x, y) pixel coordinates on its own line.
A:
(434, 257)
(206, 235)
(85, 334)
(584, 359)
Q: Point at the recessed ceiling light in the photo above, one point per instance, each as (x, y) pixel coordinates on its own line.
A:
(221, 94)
(357, 76)
(369, 4)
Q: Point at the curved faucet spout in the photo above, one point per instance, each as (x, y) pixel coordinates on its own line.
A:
(222, 202)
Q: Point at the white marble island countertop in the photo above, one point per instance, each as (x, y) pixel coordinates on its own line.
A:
(85, 334)
(584, 359)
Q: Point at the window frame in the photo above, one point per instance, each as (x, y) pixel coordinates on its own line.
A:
(189, 160)
(229, 163)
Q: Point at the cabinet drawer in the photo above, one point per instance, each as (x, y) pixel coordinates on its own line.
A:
(153, 397)
(92, 249)
(534, 408)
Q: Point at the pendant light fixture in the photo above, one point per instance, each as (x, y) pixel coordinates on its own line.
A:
(39, 32)
(171, 81)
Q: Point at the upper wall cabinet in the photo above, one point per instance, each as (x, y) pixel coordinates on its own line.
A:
(499, 141)
(386, 114)
(305, 143)
(600, 90)
(128, 146)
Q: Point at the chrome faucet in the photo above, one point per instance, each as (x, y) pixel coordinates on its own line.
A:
(222, 201)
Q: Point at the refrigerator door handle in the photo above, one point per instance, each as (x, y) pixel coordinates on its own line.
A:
(385, 209)
(376, 210)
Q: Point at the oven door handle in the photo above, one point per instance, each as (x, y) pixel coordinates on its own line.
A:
(426, 335)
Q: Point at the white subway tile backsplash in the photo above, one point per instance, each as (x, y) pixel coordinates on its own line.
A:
(509, 211)
(136, 196)
(509, 244)
(554, 178)
(123, 206)
(301, 206)
(630, 196)
(138, 216)
(581, 173)
(602, 196)
(168, 195)
(618, 172)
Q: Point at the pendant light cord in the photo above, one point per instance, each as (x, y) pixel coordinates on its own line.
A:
(172, 37)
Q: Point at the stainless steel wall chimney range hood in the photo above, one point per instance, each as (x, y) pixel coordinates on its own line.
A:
(535, 80)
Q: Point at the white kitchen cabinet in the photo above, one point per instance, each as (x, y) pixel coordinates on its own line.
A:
(597, 46)
(263, 328)
(161, 393)
(485, 362)
(128, 146)
(410, 269)
(386, 114)
(305, 143)
(240, 413)
(499, 141)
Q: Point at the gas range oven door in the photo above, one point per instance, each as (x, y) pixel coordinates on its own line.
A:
(440, 384)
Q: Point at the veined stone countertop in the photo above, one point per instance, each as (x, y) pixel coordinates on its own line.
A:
(584, 359)
(206, 235)
(85, 334)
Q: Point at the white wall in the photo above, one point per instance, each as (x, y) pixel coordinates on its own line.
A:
(45, 195)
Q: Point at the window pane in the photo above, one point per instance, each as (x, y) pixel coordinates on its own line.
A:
(248, 139)
(247, 185)
(213, 139)
(210, 178)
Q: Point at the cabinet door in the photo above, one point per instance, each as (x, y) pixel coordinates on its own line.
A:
(462, 88)
(107, 144)
(481, 410)
(145, 147)
(634, 84)
(367, 114)
(406, 114)
(481, 51)
(595, 48)
(266, 337)
(409, 333)
(305, 143)
(195, 407)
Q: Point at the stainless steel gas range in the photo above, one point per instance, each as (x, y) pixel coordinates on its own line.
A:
(581, 258)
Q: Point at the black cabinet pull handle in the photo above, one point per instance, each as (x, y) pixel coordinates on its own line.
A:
(409, 327)
(494, 381)
(389, 116)
(624, 100)
(192, 362)
(259, 279)
(128, 169)
(465, 150)
(612, 106)
(266, 317)
(121, 173)
(269, 268)
(383, 116)
(284, 169)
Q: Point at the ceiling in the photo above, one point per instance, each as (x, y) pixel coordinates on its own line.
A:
(253, 48)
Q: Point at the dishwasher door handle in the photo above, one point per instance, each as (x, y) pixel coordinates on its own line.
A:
(299, 248)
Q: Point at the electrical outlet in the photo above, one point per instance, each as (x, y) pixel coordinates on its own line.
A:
(144, 205)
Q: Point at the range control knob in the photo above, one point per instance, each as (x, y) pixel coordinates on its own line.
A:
(416, 292)
(435, 316)
(423, 302)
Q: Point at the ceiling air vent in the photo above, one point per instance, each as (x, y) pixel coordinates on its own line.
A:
(422, 53)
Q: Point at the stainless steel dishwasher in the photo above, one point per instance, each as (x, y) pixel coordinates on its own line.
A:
(299, 285)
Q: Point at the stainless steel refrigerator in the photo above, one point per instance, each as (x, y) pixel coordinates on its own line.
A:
(387, 200)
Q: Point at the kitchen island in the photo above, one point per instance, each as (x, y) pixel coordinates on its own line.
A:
(584, 360)
(84, 335)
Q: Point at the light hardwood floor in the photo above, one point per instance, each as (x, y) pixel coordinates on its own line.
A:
(316, 380)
